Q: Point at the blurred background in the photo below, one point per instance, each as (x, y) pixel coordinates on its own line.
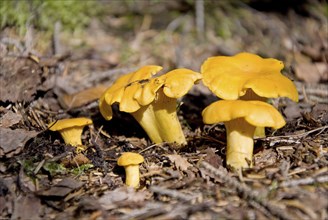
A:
(119, 35)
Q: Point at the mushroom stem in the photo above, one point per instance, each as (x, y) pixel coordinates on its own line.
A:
(259, 132)
(132, 175)
(72, 136)
(160, 121)
(239, 143)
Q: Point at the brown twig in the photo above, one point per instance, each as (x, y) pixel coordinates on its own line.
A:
(149, 147)
(153, 209)
(246, 192)
(200, 18)
(172, 193)
(294, 136)
(304, 181)
(56, 45)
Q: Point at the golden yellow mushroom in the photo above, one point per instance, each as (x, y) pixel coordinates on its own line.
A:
(71, 130)
(130, 162)
(151, 100)
(240, 119)
(247, 76)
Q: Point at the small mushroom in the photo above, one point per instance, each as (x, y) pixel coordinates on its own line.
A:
(240, 119)
(151, 101)
(247, 76)
(71, 130)
(130, 161)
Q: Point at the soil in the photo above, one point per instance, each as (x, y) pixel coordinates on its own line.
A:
(41, 177)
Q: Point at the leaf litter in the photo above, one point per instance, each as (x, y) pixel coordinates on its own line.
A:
(41, 177)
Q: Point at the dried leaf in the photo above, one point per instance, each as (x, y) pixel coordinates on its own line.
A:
(19, 79)
(77, 160)
(61, 189)
(212, 158)
(292, 111)
(123, 195)
(180, 162)
(311, 73)
(82, 98)
(299, 205)
(25, 182)
(9, 119)
(27, 207)
(12, 141)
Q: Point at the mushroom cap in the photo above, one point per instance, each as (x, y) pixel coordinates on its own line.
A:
(125, 84)
(69, 123)
(256, 113)
(178, 82)
(175, 83)
(129, 158)
(141, 91)
(230, 77)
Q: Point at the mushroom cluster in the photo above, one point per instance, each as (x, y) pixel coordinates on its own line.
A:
(151, 100)
(244, 82)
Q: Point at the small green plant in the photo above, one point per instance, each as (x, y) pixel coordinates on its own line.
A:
(28, 166)
(54, 168)
(43, 14)
(81, 169)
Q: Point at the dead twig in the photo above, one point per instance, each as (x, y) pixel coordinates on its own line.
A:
(293, 137)
(261, 209)
(149, 147)
(200, 18)
(183, 211)
(172, 193)
(247, 193)
(304, 181)
(150, 210)
(56, 45)
(37, 119)
(312, 93)
(59, 157)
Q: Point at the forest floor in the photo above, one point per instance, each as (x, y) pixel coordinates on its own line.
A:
(44, 79)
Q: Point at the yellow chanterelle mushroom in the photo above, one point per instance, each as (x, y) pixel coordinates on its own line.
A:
(240, 119)
(71, 130)
(247, 76)
(130, 161)
(151, 100)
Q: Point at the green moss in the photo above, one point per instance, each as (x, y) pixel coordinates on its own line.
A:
(81, 169)
(43, 14)
(54, 168)
(28, 167)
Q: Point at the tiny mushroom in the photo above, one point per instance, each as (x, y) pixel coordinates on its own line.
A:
(240, 118)
(151, 101)
(130, 161)
(71, 130)
(247, 76)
